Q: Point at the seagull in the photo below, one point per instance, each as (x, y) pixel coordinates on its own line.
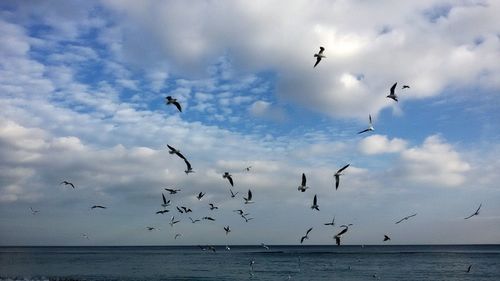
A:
(212, 248)
(248, 199)
(405, 218)
(245, 218)
(315, 205)
(386, 238)
(248, 168)
(200, 195)
(193, 221)
(209, 218)
(180, 210)
(177, 235)
(264, 246)
(370, 127)
(228, 176)
(163, 211)
(189, 169)
(319, 56)
(240, 212)
(97, 206)
(34, 212)
(227, 248)
(305, 236)
(302, 187)
(175, 151)
(173, 221)
(68, 183)
(227, 229)
(405, 87)
(186, 210)
(170, 100)
(232, 193)
(331, 223)
(150, 228)
(475, 213)
(468, 269)
(172, 191)
(85, 236)
(212, 207)
(392, 95)
(342, 232)
(165, 202)
(338, 174)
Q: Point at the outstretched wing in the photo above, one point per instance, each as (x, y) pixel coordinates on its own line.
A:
(318, 59)
(393, 88)
(343, 168)
(230, 179)
(178, 105)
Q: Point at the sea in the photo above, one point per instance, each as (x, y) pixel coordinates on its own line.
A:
(346, 262)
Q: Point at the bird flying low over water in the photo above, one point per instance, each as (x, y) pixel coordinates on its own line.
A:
(370, 126)
(386, 238)
(213, 207)
(338, 174)
(342, 232)
(331, 223)
(68, 183)
(232, 193)
(248, 199)
(84, 235)
(468, 268)
(227, 229)
(264, 246)
(406, 218)
(319, 56)
(170, 100)
(305, 236)
(476, 212)
(165, 202)
(228, 176)
(392, 94)
(315, 205)
(172, 191)
(200, 195)
(302, 187)
(98, 207)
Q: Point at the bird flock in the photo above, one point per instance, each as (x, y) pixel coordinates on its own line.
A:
(166, 205)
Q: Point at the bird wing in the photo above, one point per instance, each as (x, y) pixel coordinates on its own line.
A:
(318, 59)
(365, 130)
(178, 105)
(337, 181)
(337, 240)
(230, 179)
(342, 231)
(188, 165)
(180, 155)
(72, 185)
(343, 168)
(477, 211)
(393, 88)
(469, 216)
(171, 148)
(309, 230)
(249, 195)
(400, 220)
(370, 118)
(164, 200)
(315, 200)
(303, 179)
(302, 239)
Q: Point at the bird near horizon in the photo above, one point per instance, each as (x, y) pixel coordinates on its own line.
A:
(370, 126)
(177, 235)
(475, 213)
(302, 187)
(170, 100)
(342, 232)
(319, 56)
(392, 94)
(264, 246)
(305, 236)
(227, 229)
(68, 183)
(173, 221)
(406, 218)
(232, 193)
(386, 238)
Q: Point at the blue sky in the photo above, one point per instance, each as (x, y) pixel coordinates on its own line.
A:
(82, 88)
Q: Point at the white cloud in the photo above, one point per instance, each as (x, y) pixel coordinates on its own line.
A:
(378, 144)
(264, 109)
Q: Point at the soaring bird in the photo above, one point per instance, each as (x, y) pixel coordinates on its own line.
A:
(405, 87)
(209, 218)
(150, 228)
(248, 199)
(186, 210)
(319, 56)
(315, 205)
(68, 183)
(194, 221)
(173, 221)
(386, 238)
(405, 218)
(227, 229)
(179, 210)
(177, 235)
(338, 174)
(468, 268)
(163, 211)
(232, 193)
(392, 95)
(172, 191)
(175, 151)
(165, 202)
(331, 223)
(248, 168)
(189, 169)
(245, 218)
(370, 126)
(200, 195)
(342, 232)
(228, 176)
(33, 211)
(302, 187)
(84, 235)
(213, 207)
(170, 100)
(305, 236)
(264, 246)
(475, 213)
(240, 212)
(97, 206)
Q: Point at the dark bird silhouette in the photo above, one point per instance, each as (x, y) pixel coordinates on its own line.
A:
(331, 223)
(302, 187)
(232, 193)
(240, 212)
(212, 207)
(165, 202)
(476, 212)
(173, 221)
(33, 211)
(245, 218)
(248, 199)
(228, 176)
(386, 238)
(172, 191)
(319, 56)
(338, 174)
(200, 195)
(405, 87)
(180, 210)
(150, 228)
(194, 221)
(177, 235)
(209, 218)
(98, 206)
(186, 210)
(163, 211)
(406, 218)
(342, 232)
(68, 183)
(305, 236)
(170, 100)
(315, 205)
(370, 126)
(468, 268)
(189, 169)
(227, 229)
(393, 95)
(175, 151)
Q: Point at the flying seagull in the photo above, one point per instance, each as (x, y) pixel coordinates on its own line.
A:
(228, 176)
(342, 232)
(179, 210)
(34, 212)
(264, 246)
(97, 206)
(170, 100)
(475, 213)
(177, 235)
(468, 268)
(150, 228)
(331, 223)
(163, 211)
(405, 87)
(193, 221)
(248, 199)
(84, 235)
(248, 168)
(165, 202)
(189, 169)
(200, 195)
(175, 151)
(68, 183)
(186, 210)
(227, 229)
(232, 193)
(173, 221)
(338, 174)
(212, 207)
(386, 238)
(319, 56)
(405, 218)
(245, 218)
(370, 126)
(240, 212)
(172, 191)
(209, 218)
(315, 205)
(302, 187)
(305, 236)
(392, 95)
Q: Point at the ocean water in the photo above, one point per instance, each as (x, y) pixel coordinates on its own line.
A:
(444, 262)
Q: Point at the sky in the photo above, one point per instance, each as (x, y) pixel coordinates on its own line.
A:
(82, 98)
